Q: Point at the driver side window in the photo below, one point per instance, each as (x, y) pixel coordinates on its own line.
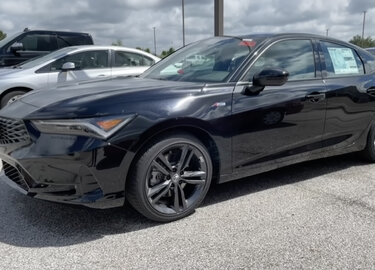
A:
(294, 56)
(83, 60)
(39, 42)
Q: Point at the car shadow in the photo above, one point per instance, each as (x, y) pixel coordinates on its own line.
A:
(28, 222)
(283, 176)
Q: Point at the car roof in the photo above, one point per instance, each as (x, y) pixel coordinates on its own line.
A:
(54, 31)
(40, 61)
(115, 48)
(269, 37)
(287, 35)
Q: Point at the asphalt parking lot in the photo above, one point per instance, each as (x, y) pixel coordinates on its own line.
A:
(315, 215)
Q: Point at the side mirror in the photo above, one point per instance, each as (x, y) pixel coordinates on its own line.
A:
(267, 77)
(17, 46)
(270, 77)
(68, 66)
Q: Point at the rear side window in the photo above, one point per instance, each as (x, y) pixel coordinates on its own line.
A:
(128, 59)
(37, 42)
(294, 56)
(341, 61)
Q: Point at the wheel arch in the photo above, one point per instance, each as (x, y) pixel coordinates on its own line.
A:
(21, 88)
(197, 128)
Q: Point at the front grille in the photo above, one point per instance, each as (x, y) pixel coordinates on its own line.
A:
(13, 174)
(12, 131)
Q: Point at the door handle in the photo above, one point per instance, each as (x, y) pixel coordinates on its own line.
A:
(316, 97)
(102, 75)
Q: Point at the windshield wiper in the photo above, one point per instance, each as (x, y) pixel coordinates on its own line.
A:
(16, 66)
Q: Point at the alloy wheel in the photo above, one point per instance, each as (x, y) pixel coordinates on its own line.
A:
(176, 178)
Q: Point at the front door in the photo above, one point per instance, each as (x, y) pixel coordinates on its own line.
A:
(34, 45)
(280, 122)
(89, 65)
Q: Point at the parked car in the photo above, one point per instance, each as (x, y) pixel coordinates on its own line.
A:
(71, 65)
(371, 50)
(160, 140)
(17, 48)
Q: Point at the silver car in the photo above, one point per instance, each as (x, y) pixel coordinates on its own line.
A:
(71, 65)
(371, 50)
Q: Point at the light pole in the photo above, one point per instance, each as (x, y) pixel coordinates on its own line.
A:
(363, 25)
(154, 40)
(219, 17)
(183, 23)
(327, 30)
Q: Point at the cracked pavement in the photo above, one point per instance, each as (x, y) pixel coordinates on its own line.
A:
(315, 215)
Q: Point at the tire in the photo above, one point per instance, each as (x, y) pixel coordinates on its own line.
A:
(8, 98)
(164, 189)
(369, 152)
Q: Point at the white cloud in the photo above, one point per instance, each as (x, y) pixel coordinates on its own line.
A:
(132, 20)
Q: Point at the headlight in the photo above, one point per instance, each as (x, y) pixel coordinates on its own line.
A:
(102, 127)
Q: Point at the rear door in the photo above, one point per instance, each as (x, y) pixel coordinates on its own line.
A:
(129, 63)
(280, 123)
(350, 94)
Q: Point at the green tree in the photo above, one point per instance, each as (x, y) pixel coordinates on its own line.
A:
(146, 50)
(166, 53)
(117, 43)
(163, 54)
(171, 50)
(2, 35)
(363, 42)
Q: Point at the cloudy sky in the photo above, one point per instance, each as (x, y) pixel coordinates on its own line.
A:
(132, 21)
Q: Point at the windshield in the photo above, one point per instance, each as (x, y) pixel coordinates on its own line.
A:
(41, 60)
(212, 60)
(8, 39)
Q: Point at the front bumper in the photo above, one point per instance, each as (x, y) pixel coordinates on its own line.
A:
(64, 185)
(64, 168)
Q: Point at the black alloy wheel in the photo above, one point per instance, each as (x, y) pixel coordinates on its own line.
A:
(171, 178)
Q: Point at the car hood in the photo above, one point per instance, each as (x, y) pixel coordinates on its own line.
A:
(94, 99)
(9, 71)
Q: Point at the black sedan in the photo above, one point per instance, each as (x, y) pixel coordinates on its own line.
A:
(214, 111)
